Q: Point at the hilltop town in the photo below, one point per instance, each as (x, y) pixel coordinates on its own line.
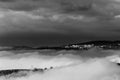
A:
(97, 44)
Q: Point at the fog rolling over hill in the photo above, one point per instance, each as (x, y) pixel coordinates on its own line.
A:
(93, 64)
(47, 39)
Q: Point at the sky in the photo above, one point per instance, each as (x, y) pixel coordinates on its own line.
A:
(58, 22)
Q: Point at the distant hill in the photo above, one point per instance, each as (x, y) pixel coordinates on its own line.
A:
(79, 46)
(99, 43)
(104, 44)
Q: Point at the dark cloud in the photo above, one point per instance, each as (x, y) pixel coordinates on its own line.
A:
(57, 21)
(67, 5)
(7, 0)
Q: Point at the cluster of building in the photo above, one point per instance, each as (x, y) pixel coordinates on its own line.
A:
(89, 46)
(80, 46)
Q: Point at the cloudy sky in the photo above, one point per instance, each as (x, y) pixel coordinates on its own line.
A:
(58, 22)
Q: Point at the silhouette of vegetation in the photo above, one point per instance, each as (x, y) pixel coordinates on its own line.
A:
(17, 71)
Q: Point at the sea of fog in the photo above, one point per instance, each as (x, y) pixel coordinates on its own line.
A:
(94, 64)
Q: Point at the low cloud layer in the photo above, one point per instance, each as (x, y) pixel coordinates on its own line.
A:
(66, 65)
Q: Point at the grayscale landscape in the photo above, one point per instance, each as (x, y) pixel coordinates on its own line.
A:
(59, 39)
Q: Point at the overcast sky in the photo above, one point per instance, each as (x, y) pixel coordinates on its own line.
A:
(58, 22)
